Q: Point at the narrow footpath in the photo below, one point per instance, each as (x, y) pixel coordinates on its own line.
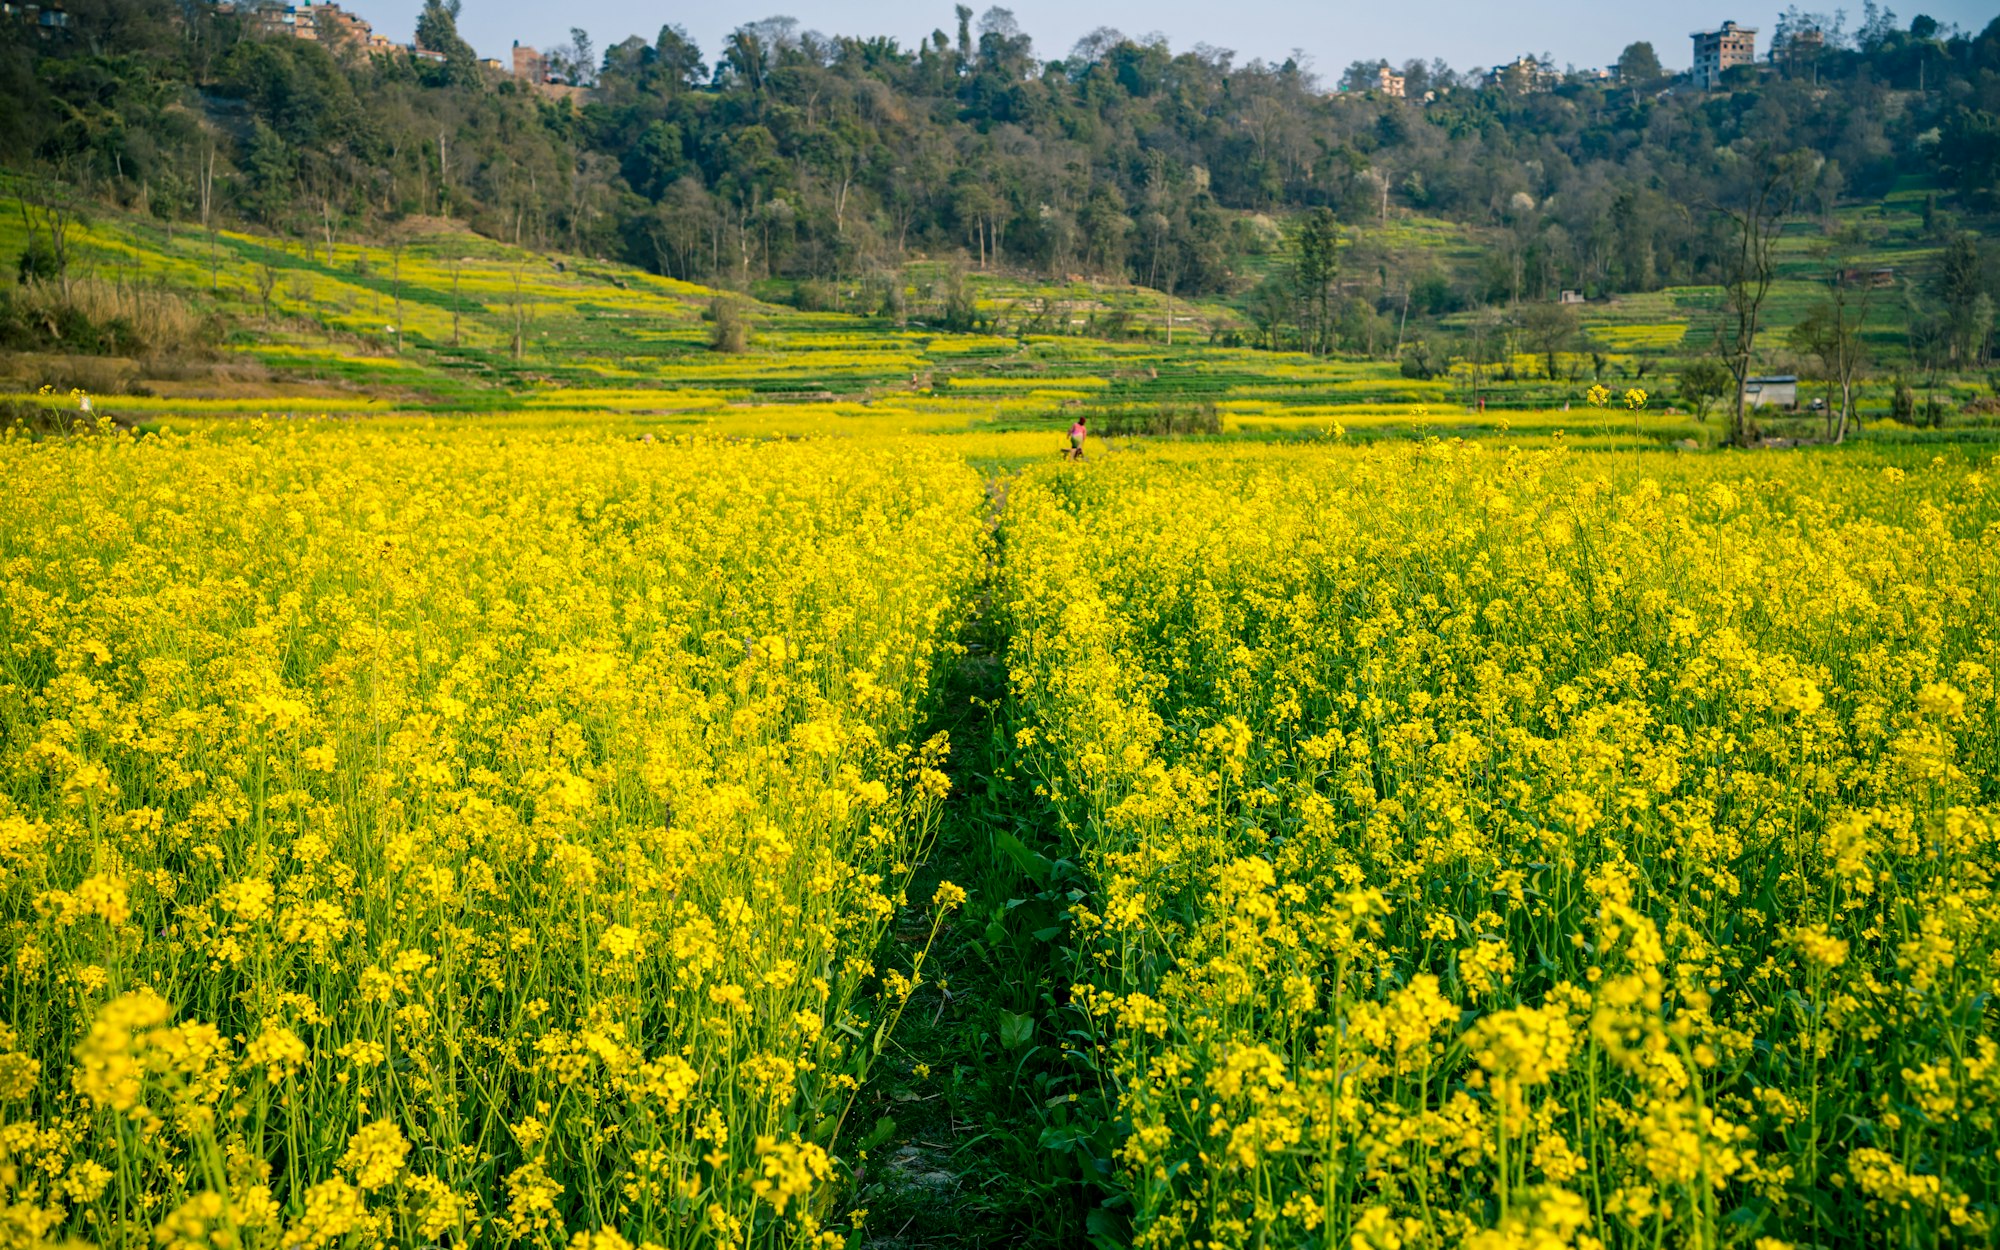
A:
(990, 1127)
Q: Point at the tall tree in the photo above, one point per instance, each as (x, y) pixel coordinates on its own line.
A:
(437, 31)
(1638, 65)
(1753, 216)
(1960, 286)
(678, 58)
(1315, 267)
(1831, 331)
(1550, 329)
(1703, 383)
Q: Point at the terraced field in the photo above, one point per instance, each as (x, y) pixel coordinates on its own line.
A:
(442, 322)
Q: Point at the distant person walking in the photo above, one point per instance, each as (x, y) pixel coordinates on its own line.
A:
(1077, 433)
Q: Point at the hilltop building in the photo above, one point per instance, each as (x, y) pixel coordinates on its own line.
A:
(530, 66)
(532, 69)
(1797, 49)
(1717, 51)
(320, 23)
(1526, 73)
(1806, 41)
(46, 17)
(1389, 82)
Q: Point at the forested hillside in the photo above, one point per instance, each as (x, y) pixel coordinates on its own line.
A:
(830, 161)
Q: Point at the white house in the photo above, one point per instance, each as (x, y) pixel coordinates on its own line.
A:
(1777, 391)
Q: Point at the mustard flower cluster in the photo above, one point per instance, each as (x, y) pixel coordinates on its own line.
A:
(435, 837)
(1520, 849)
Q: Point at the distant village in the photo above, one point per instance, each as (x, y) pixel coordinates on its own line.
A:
(1716, 52)
(330, 24)
(338, 29)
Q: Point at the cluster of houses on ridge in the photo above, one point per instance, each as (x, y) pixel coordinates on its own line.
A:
(332, 25)
(1715, 53)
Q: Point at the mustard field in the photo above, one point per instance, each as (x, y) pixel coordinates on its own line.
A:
(457, 840)
(545, 835)
(1506, 849)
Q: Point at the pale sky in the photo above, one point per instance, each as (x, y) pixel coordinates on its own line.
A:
(1467, 33)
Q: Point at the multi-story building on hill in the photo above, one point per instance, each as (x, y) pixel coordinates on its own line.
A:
(326, 24)
(321, 23)
(533, 69)
(1526, 73)
(1717, 51)
(530, 66)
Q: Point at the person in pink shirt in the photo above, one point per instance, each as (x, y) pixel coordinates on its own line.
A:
(1076, 436)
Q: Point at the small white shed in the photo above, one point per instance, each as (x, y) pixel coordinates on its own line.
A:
(1780, 390)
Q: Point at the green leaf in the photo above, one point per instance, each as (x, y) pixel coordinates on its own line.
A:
(1031, 863)
(883, 1130)
(1016, 1031)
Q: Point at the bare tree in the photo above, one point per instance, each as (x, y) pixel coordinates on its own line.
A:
(520, 310)
(396, 287)
(1755, 216)
(48, 216)
(267, 278)
(1480, 330)
(1832, 332)
(205, 185)
(1551, 329)
(454, 264)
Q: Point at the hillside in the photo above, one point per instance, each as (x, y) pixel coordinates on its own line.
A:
(433, 318)
(834, 161)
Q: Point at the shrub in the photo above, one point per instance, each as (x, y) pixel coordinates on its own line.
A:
(1420, 362)
(1171, 419)
(39, 261)
(1703, 384)
(729, 331)
(99, 318)
(95, 375)
(961, 314)
(812, 295)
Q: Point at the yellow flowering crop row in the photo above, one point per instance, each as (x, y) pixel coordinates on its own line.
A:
(456, 837)
(1508, 849)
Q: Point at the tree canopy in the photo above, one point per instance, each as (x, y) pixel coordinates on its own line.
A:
(788, 152)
